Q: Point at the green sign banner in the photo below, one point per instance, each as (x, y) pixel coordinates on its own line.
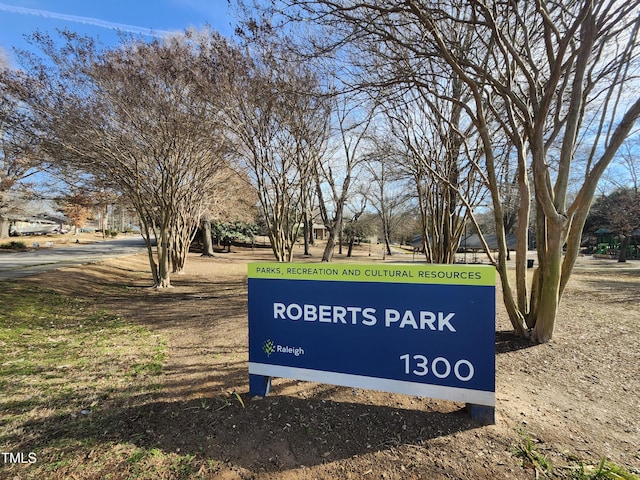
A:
(387, 273)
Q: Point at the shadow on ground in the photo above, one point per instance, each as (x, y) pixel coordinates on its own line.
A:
(508, 341)
(263, 435)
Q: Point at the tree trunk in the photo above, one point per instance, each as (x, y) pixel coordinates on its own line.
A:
(549, 293)
(207, 243)
(152, 263)
(164, 260)
(312, 237)
(334, 231)
(385, 233)
(522, 233)
(4, 227)
(387, 245)
(277, 244)
(290, 250)
(327, 255)
(350, 250)
(624, 246)
(307, 231)
(515, 315)
(105, 212)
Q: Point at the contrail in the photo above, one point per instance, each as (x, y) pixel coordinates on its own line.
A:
(96, 22)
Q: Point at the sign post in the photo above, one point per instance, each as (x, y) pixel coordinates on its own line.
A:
(426, 330)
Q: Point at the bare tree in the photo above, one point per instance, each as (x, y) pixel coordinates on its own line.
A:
(234, 199)
(137, 116)
(310, 130)
(555, 76)
(437, 150)
(624, 171)
(541, 101)
(423, 101)
(334, 173)
(279, 123)
(354, 229)
(20, 158)
(387, 191)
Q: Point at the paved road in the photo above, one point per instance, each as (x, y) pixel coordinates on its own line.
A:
(22, 264)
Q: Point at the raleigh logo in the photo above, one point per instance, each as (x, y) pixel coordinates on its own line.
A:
(270, 347)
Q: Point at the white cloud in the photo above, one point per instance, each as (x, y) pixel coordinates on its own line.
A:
(96, 22)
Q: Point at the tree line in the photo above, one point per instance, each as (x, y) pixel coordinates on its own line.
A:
(336, 107)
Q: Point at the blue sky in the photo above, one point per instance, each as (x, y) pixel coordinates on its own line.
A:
(103, 18)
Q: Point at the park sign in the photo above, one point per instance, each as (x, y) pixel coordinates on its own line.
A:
(425, 330)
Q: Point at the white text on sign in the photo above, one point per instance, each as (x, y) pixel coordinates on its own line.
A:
(355, 315)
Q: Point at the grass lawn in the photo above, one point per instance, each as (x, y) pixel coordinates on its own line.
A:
(64, 367)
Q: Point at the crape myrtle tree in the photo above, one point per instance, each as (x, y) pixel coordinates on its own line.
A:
(20, 157)
(335, 173)
(308, 205)
(235, 199)
(354, 230)
(438, 154)
(310, 126)
(142, 115)
(422, 102)
(554, 76)
(387, 190)
(279, 125)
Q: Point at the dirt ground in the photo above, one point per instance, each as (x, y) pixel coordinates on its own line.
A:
(575, 397)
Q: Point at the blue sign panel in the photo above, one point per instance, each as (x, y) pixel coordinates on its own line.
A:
(424, 330)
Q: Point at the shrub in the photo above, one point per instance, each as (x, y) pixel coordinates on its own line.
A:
(13, 245)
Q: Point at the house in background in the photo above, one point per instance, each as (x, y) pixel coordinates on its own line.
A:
(319, 232)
